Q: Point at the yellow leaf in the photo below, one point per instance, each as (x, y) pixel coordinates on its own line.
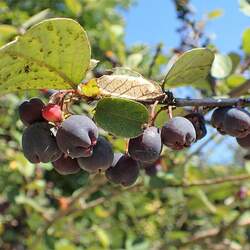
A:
(74, 6)
(103, 237)
(89, 89)
(215, 14)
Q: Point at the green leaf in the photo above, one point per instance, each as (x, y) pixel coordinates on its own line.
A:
(134, 60)
(178, 235)
(235, 80)
(235, 58)
(121, 117)
(64, 244)
(246, 41)
(157, 182)
(215, 14)
(92, 64)
(194, 65)
(222, 66)
(103, 237)
(204, 199)
(74, 6)
(7, 31)
(245, 6)
(52, 54)
(125, 71)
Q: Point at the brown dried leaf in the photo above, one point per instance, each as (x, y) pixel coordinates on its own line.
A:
(129, 87)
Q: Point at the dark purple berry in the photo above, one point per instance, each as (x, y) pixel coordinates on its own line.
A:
(66, 165)
(146, 147)
(242, 193)
(101, 159)
(217, 119)
(244, 141)
(237, 122)
(152, 169)
(77, 135)
(178, 133)
(198, 122)
(39, 144)
(124, 172)
(30, 111)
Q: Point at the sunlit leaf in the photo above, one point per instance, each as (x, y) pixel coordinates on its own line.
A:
(245, 6)
(52, 54)
(74, 6)
(89, 89)
(7, 32)
(121, 117)
(134, 60)
(178, 235)
(200, 200)
(246, 41)
(93, 63)
(222, 66)
(215, 14)
(194, 65)
(64, 244)
(103, 237)
(235, 80)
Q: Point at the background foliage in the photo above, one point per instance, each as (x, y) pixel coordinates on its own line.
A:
(41, 209)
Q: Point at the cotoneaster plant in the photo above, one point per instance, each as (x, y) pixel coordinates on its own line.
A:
(124, 105)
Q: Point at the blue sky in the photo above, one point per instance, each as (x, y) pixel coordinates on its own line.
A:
(154, 21)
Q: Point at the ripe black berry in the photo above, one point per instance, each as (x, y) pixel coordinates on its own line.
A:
(244, 141)
(76, 136)
(217, 119)
(178, 133)
(101, 159)
(66, 165)
(146, 147)
(198, 122)
(124, 172)
(30, 111)
(39, 144)
(237, 122)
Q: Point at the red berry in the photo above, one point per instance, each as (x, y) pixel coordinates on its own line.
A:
(52, 113)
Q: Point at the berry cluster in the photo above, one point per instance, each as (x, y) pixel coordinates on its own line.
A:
(233, 121)
(74, 143)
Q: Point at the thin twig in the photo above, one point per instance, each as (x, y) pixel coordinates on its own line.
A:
(219, 180)
(157, 53)
(209, 102)
(215, 232)
(152, 113)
